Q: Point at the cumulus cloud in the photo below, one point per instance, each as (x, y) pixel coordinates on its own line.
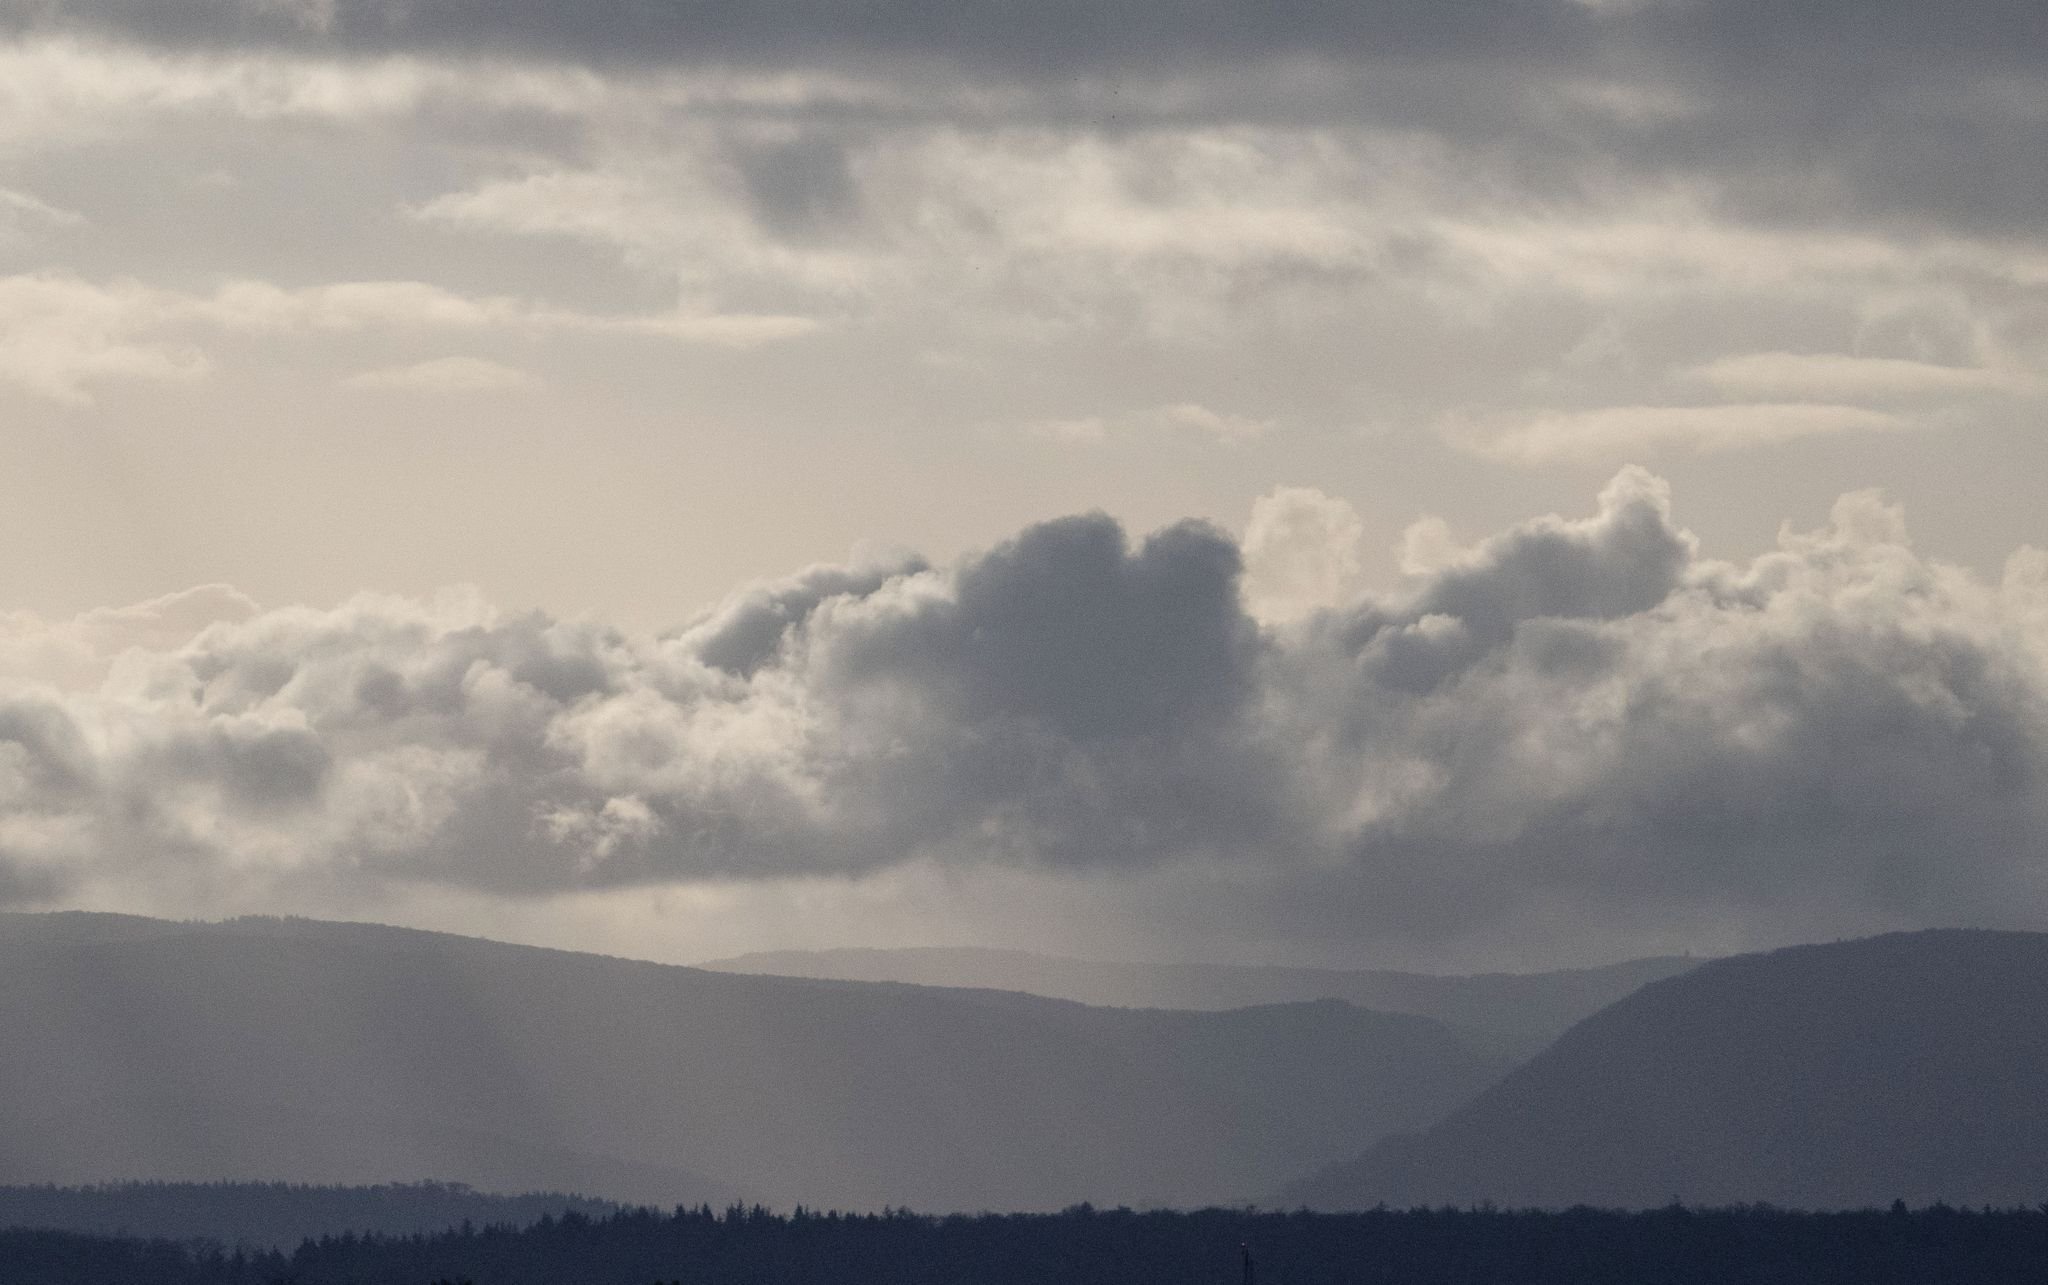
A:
(77, 653)
(1577, 725)
(1302, 553)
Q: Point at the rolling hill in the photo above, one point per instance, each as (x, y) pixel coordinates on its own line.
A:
(343, 1053)
(1511, 1014)
(1911, 1066)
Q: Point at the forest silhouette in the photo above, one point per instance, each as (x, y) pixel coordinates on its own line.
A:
(1747, 1245)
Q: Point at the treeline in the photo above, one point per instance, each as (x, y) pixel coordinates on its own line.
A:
(273, 1215)
(1083, 1246)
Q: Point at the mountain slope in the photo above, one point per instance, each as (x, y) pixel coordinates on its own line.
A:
(1910, 1066)
(353, 1053)
(1512, 1014)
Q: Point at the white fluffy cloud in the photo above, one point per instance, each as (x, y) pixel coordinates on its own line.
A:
(1302, 553)
(1578, 724)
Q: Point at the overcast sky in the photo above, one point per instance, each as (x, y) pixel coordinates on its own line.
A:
(1311, 481)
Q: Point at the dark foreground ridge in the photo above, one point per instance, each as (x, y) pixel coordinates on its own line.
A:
(1083, 1246)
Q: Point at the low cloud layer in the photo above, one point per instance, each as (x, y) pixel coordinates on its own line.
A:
(1889, 103)
(1577, 726)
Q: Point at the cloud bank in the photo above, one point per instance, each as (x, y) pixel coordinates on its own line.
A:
(1675, 227)
(1575, 726)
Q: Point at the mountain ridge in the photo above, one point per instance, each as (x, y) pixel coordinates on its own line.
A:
(1905, 1066)
(1510, 1014)
(145, 1049)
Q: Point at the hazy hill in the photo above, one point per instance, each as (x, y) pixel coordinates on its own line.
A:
(341, 1053)
(1912, 1066)
(1513, 1014)
(275, 1215)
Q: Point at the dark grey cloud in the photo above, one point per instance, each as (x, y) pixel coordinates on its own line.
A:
(1073, 700)
(1578, 725)
(1068, 628)
(1553, 571)
(748, 630)
(1040, 39)
(1894, 113)
(1727, 39)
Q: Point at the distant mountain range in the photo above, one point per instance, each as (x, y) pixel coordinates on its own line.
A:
(1512, 1014)
(1910, 1067)
(344, 1053)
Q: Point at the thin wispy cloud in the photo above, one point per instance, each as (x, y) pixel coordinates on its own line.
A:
(1841, 376)
(1621, 432)
(448, 375)
(1183, 420)
(59, 335)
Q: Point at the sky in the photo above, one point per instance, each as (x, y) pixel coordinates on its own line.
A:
(1503, 484)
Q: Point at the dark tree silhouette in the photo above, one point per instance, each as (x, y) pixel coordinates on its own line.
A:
(1677, 1245)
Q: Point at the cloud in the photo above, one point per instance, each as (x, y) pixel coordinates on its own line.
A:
(447, 375)
(59, 334)
(20, 211)
(1577, 728)
(1178, 419)
(1733, 40)
(1302, 553)
(1416, 177)
(76, 654)
(61, 90)
(979, 34)
(685, 213)
(1200, 233)
(1908, 117)
(843, 722)
(1181, 233)
(259, 306)
(1622, 431)
(1840, 377)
